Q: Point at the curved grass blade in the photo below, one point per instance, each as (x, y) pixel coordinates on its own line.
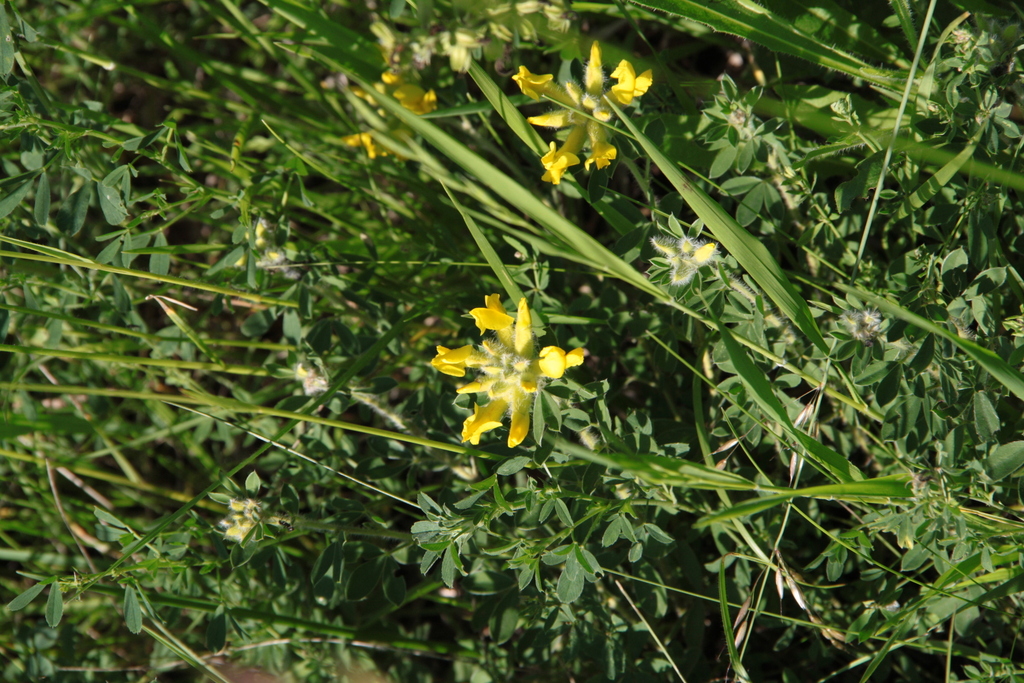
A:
(880, 488)
(658, 469)
(829, 462)
(491, 256)
(749, 20)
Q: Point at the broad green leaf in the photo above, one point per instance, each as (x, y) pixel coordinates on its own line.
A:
(159, 263)
(26, 597)
(132, 611)
(1005, 460)
(71, 216)
(6, 44)
(365, 578)
(570, 582)
(986, 421)
(54, 606)
(111, 204)
(217, 630)
(11, 200)
(41, 210)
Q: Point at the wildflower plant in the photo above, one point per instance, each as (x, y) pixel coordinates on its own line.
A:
(512, 371)
(584, 110)
(833, 407)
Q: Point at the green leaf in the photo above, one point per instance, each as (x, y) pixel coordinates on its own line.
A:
(11, 200)
(111, 204)
(71, 216)
(505, 617)
(41, 210)
(217, 630)
(257, 324)
(132, 611)
(986, 420)
(110, 519)
(491, 256)
(28, 596)
(252, 484)
(6, 44)
(512, 465)
(658, 469)
(730, 636)
(930, 188)
(1005, 460)
(820, 455)
(159, 263)
(54, 606)
(570, 582)
(365, 578)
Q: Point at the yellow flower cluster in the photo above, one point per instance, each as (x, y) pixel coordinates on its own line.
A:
(412, 97)
(512, 371)
(246, 513)
(585, 110)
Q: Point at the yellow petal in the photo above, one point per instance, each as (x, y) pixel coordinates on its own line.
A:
(415, 99)
(552, 361)
(574, 357)
(483, 420)
(452, 362)
(602, 155)
(528, 385)
(593, 79)
(532, 85)
(643, 82)
(524, 330)
(391, 78)
(555, 119)
(705, 253)
(557, 162)
(493, 317)
(520, 424)
(470, 388)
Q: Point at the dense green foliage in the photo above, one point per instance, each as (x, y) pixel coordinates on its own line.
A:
(229, 252)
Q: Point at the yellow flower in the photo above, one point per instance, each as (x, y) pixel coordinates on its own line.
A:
(556, 163)
(583, 109)
(415, 99)
(511, 371)
(602, 155)
(533, 85)
(364, 140)
(412, 97)
(630, 85)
